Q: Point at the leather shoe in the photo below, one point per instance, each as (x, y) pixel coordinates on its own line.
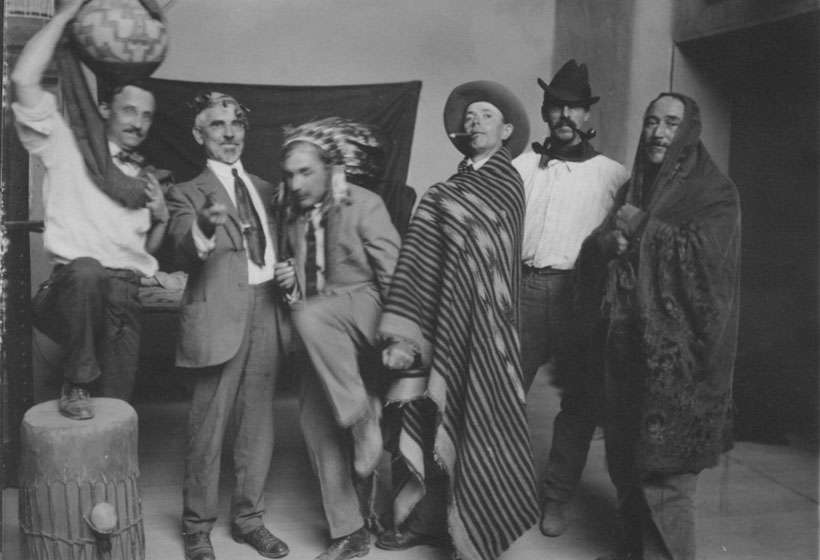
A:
(367, 440)
(263, 541)
(354, 545)
(553, 518)
(75, 402)
(198, 546)
(397, 539)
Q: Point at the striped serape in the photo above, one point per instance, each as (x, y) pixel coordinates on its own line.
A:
(455, 295)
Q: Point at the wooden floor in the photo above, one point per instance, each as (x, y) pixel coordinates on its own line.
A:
(759, 504)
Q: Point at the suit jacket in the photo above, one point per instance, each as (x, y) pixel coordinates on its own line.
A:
(361, 243)
(215, 302)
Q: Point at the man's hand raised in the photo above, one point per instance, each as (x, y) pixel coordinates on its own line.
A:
(211, 215)
(156, 200)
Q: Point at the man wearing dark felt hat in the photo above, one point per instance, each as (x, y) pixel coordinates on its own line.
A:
(569, 190)
(452, 314)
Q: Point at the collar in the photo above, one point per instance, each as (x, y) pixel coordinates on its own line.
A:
(317, 210)
(320, 208)
(221, 169)
(113, 149)
(477, 163)
(580, 152)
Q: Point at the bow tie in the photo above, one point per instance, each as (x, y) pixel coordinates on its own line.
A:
(466, 166)
(579, 152)
(126, 157)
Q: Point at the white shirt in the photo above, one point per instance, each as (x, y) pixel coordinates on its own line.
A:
(204, 245)
(81, 220)
(565, 201)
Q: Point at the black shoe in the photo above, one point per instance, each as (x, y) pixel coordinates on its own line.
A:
(553, 518)
(75, 402)
(354, 545)
(397, 539)
(198, 546)
(263, 541)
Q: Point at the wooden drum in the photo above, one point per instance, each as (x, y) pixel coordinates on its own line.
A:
(68, 467)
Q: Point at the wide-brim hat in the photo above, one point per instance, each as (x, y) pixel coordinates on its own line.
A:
(497, 95)
(569, 85)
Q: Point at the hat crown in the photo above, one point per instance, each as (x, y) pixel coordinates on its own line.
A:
(570, 84)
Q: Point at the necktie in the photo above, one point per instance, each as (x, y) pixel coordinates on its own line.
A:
(466, 166)
(251, 224)
(126, 157)
(311, 270)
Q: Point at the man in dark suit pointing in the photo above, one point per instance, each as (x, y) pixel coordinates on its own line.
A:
(230, 329)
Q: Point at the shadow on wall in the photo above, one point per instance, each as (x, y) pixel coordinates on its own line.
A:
(769, 75)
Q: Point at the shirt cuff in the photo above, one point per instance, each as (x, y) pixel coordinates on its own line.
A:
(204, 245)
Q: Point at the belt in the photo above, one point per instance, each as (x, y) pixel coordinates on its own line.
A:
(120, 273)
(546, 270)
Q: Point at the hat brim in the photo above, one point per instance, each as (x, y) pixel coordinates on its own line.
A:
(561, 96)
(499, 96)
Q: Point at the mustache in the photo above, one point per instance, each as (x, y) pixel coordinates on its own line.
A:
(563, 121)
(137, 131)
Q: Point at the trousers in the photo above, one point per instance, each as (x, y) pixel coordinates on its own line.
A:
(657, 510)
(338, 331)
(547, 333)
(94, 313)
(242, 389)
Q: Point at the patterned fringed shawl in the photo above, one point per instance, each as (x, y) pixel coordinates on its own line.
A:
(455, 295)
(673, 302)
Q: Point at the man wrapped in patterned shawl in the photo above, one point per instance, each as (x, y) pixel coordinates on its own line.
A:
(463, 437)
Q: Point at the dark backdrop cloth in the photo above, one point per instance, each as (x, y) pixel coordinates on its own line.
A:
(391, 108)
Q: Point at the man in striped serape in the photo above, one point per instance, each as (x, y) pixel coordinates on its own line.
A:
(452, 309)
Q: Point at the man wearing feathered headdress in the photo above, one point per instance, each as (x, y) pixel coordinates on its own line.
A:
(344, 249)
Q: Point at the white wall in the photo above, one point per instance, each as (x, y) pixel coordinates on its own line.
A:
(658, 65)
(324, 42)
(715, 106)
(651, 63)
